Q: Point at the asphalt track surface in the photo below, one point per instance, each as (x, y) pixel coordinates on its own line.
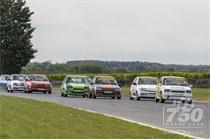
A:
(143, 111)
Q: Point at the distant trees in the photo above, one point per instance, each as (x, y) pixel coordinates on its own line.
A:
(15, 36)
(109, 67)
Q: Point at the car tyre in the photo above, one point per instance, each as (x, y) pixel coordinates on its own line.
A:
(94, 96)
(90, 95)
(131, 98)
(118, 97)
(156, 99)
(161, 100)
(50, 92)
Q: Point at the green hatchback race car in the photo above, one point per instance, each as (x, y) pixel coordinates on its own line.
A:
(75, 85)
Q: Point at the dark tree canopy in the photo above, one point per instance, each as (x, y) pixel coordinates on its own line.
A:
(15, 36)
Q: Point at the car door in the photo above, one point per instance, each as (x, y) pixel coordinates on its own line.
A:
(159, 87)
(63, 85)
(133, 87)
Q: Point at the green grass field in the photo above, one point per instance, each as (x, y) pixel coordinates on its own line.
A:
(201, 94)
(29, 119)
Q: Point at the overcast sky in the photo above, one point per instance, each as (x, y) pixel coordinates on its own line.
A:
(166, 31)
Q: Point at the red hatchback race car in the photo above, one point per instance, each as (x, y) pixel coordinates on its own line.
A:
(38, 83)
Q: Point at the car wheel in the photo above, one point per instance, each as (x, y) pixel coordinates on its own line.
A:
(131, 98)
(50, 92)
(161, 100)
(113, 97)
(90, 95)
(11, 91)
(44, 92)
(84, 95)
(94, 96)
(137, 96)
(156, 99)
(118, 97)
(62, 94)
(190, 102)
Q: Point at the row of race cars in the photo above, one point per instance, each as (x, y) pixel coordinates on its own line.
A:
(160, 89)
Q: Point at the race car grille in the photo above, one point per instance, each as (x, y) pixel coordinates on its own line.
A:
(177, 91)
(40, 86)
(107, 89)
(78, 88)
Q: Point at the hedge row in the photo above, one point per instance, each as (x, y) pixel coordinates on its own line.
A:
(128, 77)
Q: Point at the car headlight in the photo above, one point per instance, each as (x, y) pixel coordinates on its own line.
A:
(143, 89)
(167, 90)
(189, 91)
(69, 86)
(117, 89)
(15, 84)
(86, 88)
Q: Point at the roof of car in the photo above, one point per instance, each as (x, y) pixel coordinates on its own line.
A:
(106, 77)
(18, 75)
(81, 76)
(147, 77)
(171, 77)
(37, 75)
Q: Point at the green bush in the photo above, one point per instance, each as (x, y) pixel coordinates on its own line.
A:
(128, 77)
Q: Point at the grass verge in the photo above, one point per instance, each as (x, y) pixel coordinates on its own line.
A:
(29, 119)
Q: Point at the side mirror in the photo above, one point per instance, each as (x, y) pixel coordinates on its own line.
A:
(190, 86)
(120, 85)
(134, 84)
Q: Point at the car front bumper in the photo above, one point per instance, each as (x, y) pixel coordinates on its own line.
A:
(18, 88)
(178, 98)
(147, 94)
(105, 93)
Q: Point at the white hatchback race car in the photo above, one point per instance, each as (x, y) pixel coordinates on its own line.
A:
(16, 82)
(173, 89)
(143, 87)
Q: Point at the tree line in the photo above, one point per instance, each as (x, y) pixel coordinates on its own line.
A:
(108, 67)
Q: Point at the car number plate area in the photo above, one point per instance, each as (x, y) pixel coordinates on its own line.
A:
(40, 89)
(178, 95)
(108, 92)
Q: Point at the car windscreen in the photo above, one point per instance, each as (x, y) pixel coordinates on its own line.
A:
(148, 81)
(18, 77)
(39, 78)
(175, 81)
(106, 81)
(4, 77)
(76, 80)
